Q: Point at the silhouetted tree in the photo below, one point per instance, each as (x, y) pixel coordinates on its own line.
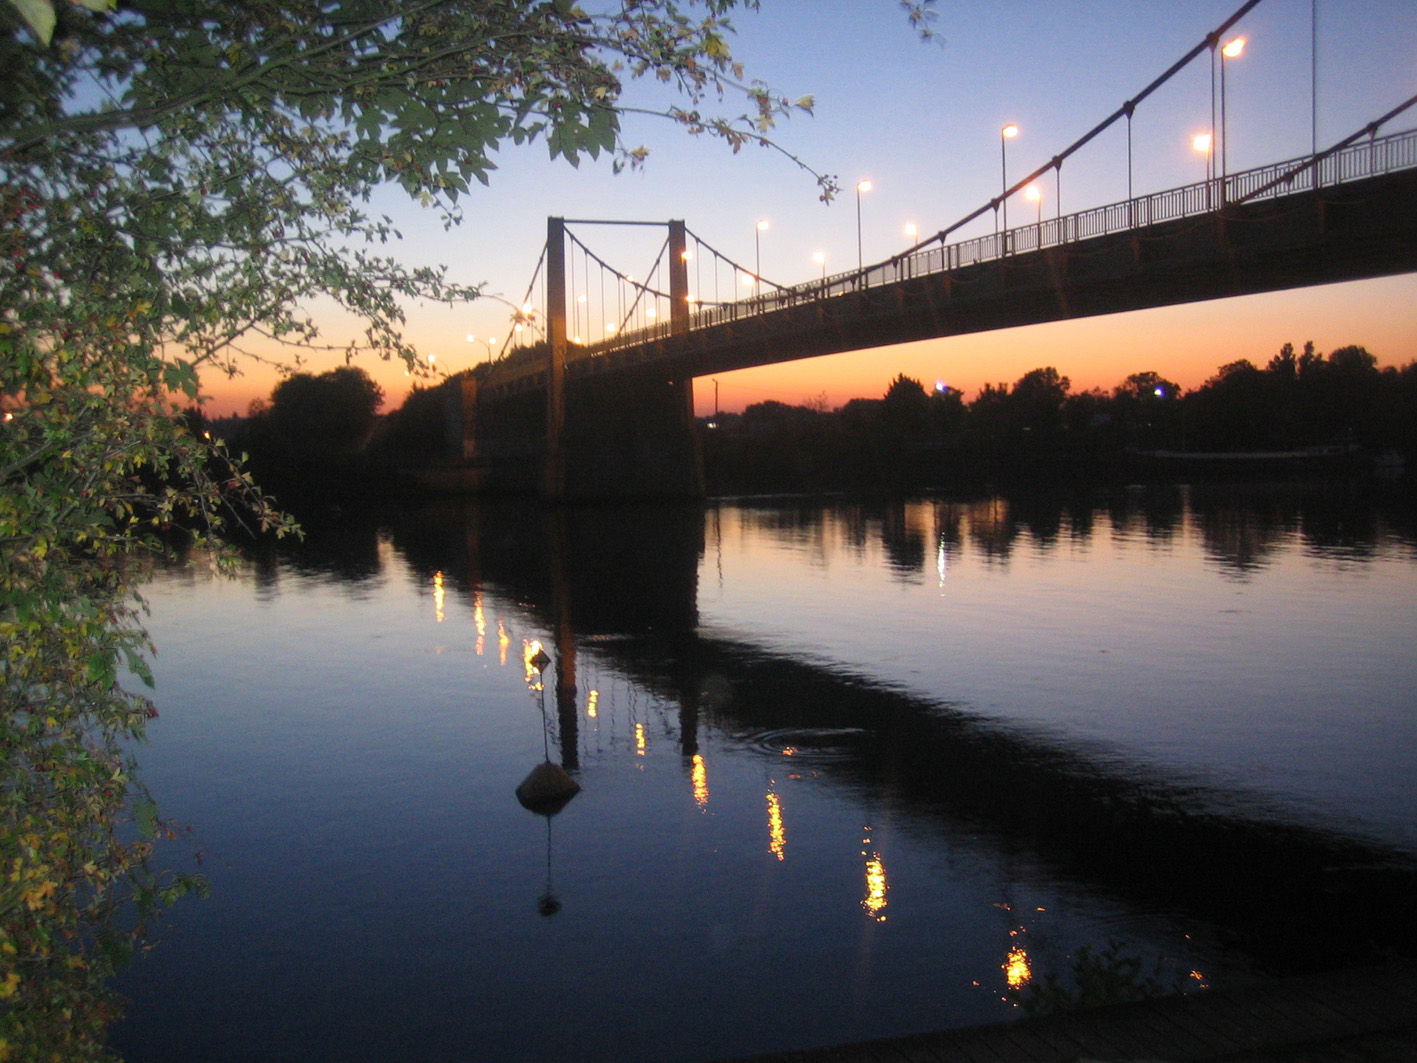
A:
(425, 428)
(1038, 398)
(1146, 411)
(306, 445)
(1350, 383)
(905, 405)
(1285, 364)
(331, 413)
(1310, 359)
(1233, 410)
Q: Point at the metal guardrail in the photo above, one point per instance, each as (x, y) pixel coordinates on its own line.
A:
(1357, 161)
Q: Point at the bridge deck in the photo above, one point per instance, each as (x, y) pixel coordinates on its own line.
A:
(1367, 1015)
(1334, 217)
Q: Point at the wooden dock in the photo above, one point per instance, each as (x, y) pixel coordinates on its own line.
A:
(1354, 1016)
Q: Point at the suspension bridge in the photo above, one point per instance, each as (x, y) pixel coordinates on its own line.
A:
(613, 416)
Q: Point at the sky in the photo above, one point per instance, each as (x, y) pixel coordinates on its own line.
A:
(921, 121)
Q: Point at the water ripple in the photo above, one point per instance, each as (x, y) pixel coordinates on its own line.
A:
(810, 744)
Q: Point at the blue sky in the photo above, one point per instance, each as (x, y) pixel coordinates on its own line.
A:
(922, 121)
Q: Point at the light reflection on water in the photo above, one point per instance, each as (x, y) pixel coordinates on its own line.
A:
(846, 772)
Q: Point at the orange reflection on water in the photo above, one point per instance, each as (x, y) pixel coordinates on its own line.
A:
(639, 739)
(592, 704)
(438, 597)
(699, 777)
(777, 832)
(480, 621)
(875, 900)
(1017, 971)
(504, 642)
(529, 651)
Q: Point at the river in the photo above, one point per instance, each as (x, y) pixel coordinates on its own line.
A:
(847, 770)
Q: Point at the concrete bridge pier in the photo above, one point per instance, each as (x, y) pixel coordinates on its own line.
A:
(634, 438)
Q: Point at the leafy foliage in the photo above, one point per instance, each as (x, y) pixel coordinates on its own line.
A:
(94, 471)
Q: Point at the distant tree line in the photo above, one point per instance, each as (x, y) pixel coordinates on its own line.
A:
(320, 438)
(1038, 428)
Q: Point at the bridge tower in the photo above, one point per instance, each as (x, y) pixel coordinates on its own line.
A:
(553, 483)
(679, 330)
(633, 437)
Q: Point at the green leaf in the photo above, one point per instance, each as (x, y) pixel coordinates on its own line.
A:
(100, 669)
(146, 816)
(181, 376)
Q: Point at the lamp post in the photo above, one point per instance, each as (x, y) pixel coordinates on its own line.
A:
(1232, 50)
(911, 234)
(485, 342)
(1203, 142)
(861, 186)
(1314, 81)
(1035, 193)
(820, 258)
(758, 256)
(1005, 135)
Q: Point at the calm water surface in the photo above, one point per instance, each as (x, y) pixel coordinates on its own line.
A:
(848, 771)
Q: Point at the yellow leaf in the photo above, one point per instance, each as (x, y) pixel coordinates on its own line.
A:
(40, 16)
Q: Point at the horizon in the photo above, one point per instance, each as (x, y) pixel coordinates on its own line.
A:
(931, 386)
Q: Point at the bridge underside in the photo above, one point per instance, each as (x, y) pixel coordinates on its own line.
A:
(628, 428)
(1355, 231)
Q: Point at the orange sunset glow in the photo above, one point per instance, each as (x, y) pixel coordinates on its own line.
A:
(1183, 343)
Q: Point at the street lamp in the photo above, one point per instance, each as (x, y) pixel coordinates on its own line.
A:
(911, 234)
(485, 342)
(1202, 143)
(1232, 50)
(758, 255)
(1005, 135)
(820, 258)
(861, 186)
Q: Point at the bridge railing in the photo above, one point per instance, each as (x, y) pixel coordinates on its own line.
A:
(1363, 159)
